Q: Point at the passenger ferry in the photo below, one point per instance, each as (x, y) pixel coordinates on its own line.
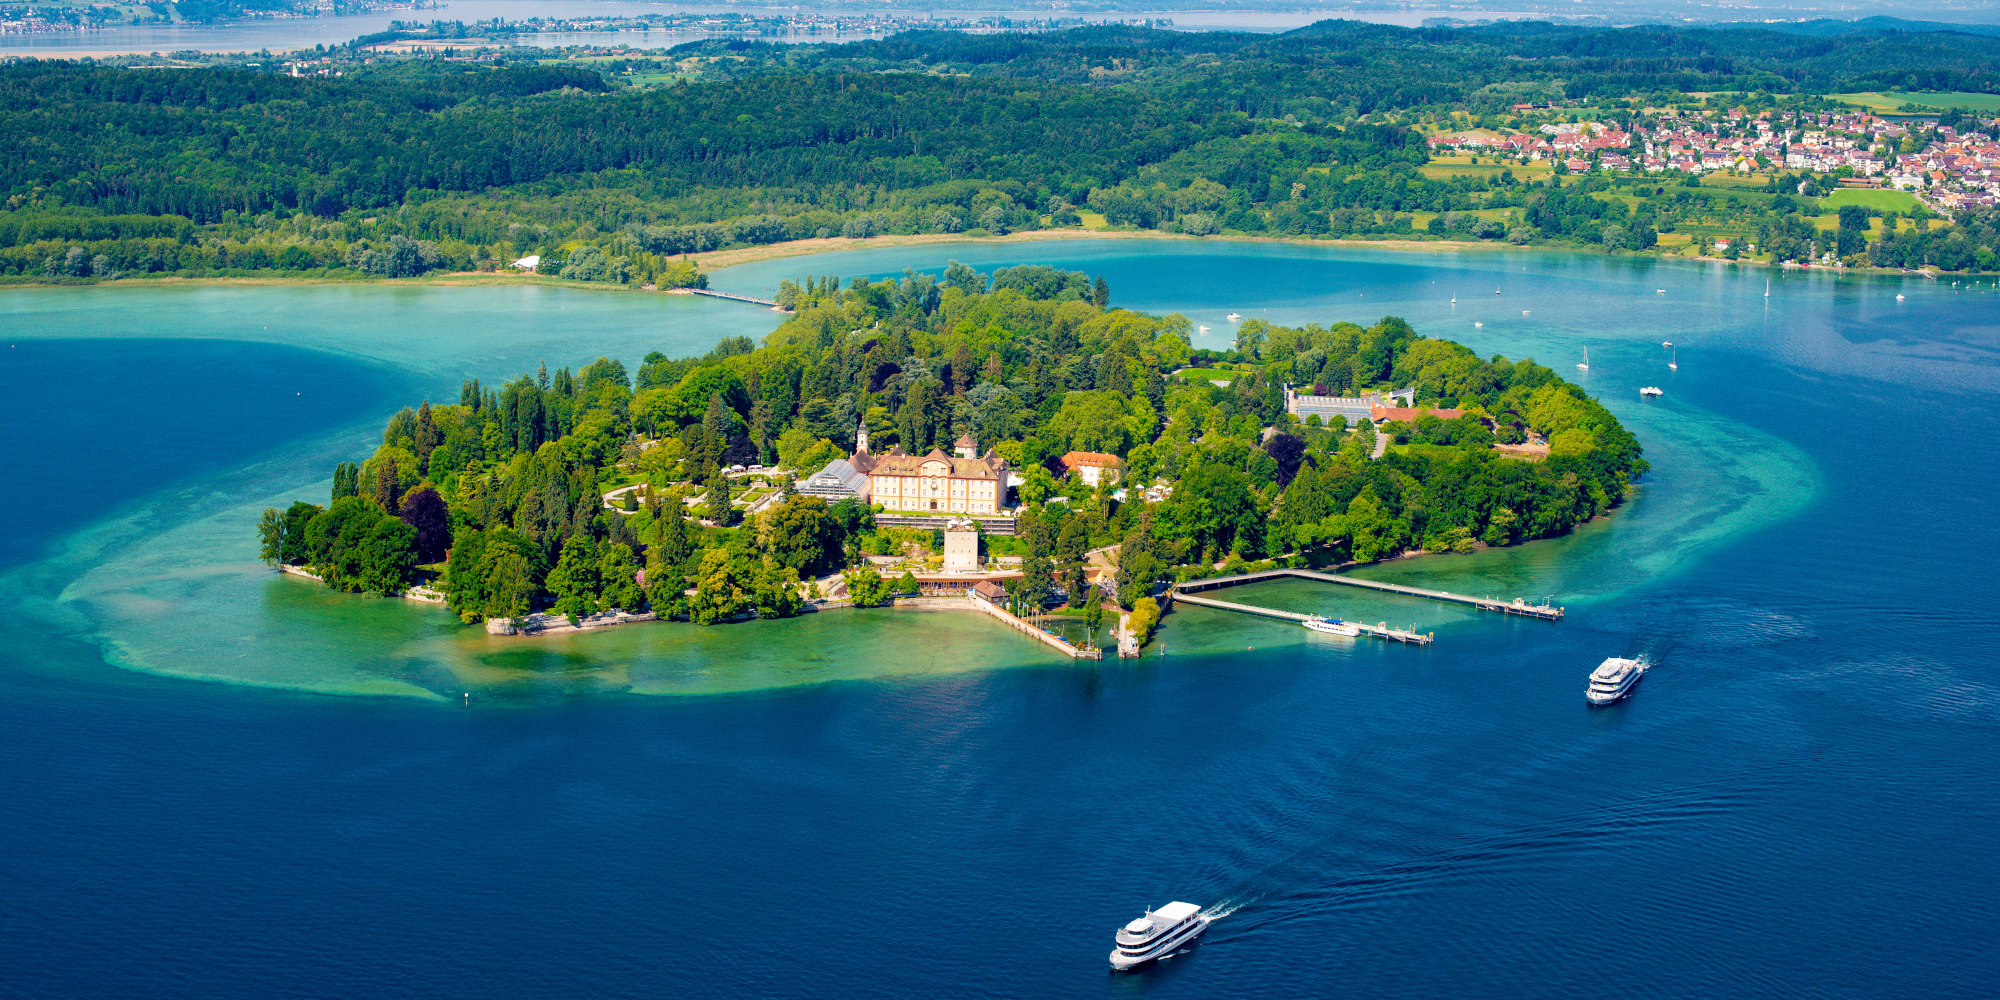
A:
(1233, 317)
(1332, 627)
(1614, 679)
(1652, 390)
(1157, 934)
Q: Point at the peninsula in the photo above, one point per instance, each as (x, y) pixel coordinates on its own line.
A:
(1080, 453)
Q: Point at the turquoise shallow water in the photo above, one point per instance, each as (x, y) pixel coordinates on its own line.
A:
(1799, 801)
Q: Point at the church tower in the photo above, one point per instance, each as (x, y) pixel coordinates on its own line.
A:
(861, 437)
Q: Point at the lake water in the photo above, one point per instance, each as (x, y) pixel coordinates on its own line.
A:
(203, 798)
(284, 34)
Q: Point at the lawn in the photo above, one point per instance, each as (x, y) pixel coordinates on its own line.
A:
(1888, 103)
(1443, 167)
(1873, 199)
(1207, 374)
(1091, 220)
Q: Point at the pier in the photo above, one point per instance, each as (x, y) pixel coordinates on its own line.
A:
(1378, 631)
(1517, 606)
(1029, 629)
(735, 298)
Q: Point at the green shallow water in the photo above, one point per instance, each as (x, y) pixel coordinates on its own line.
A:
(169, 584)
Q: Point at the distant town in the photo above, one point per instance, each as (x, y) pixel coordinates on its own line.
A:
(1951, 171)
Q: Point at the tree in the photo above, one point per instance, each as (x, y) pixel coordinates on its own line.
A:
(775, 591)
(1037, 577)
(907, 583)
(574, 582)
(800, 535)
(510, 585)
(297, 516)
(722, 589)
(386, 489)
(426, 513)
(865, 586)
(271, 537)
(617, 576)
(1093, 612)
(464, 588)
(1072, 547)
(388, 557)
(1100, 293)
(346, 481)
(1374, 531)
(1145, 617)
(962, 370)
(670, 544)
(717, 504)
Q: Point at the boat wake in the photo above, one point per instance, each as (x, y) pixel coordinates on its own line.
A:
(1216, 911)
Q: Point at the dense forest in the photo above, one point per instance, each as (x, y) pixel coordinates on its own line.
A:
(499, 497)
(416, 165)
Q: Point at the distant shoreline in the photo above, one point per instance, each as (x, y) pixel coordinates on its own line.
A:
(716, 260)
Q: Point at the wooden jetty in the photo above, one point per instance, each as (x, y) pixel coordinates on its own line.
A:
(1378, 631)
(1516, 606)
(736, 298)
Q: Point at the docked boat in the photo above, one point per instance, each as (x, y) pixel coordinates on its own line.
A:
(1157, 934)
(1651, 391)
(1614, 679)
(1332, 627)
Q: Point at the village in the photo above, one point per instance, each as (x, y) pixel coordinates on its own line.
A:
(1954, 171)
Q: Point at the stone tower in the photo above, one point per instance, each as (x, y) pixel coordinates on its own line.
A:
(861, 436)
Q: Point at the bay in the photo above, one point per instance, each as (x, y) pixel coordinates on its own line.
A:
(1799, 799)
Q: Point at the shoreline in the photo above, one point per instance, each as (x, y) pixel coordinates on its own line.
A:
(715, 260)
(718, 260)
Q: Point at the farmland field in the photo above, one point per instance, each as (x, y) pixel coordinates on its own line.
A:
(1870, 198)
(1882, 103)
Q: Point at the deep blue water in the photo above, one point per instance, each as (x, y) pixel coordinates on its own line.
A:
(96, 423)
(1801, 800)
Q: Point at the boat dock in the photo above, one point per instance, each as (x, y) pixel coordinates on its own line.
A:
(735, 298)
(1032, 631)
(1378, 631)
(1517, 606)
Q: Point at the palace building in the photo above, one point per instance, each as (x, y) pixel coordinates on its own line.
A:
(964, 482)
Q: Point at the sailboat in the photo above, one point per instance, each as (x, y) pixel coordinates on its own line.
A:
(1767, 288)
(1584, 365)
(1674, 361)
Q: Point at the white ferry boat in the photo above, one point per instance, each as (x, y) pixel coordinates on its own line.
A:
(1614, 679)
(1157, 934)
(1233, 317)
(1652, 390)
(1332, 627)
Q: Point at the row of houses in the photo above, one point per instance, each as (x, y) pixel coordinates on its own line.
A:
(1952, 171)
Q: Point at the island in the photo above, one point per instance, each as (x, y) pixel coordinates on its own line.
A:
(1076, 454)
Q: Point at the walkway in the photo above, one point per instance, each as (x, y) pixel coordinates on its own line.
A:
(1045, 637)
(736, 298)
(1381, 631)
(1517, 606)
